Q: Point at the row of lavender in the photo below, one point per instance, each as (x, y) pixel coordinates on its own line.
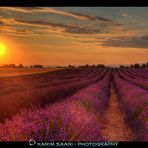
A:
(142, 72)
(44, 79)
(25, 96)
(77, 118)
(134, 78)
(134, 101)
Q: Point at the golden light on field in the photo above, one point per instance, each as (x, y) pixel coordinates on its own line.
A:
(2, 49)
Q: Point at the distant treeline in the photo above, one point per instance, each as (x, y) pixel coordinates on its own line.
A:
(104, 66)
(73, 66)
(88, 66)
(135, 65)
(21, 66)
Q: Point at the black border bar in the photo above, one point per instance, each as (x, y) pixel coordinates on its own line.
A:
(73, 3)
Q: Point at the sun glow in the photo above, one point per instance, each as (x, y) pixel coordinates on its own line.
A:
(2, 49)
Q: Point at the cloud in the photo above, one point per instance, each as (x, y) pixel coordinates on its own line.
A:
(90, 17)
(20, 26)
(37, 22)
(28, 24)
(52, 10)
(5, 21)
(10, 26)
(41, 10)
(19, 9)
(73, 29)
(128, 42)
(102, 25)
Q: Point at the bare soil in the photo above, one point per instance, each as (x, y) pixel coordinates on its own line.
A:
(115, 127)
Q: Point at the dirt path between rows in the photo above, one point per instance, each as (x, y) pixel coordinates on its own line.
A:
(115, 128)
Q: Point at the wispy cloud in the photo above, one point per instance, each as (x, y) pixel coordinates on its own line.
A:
(25, 26)
(73, 29)
(42, 10)
(76, 15)
(90, 17)
(21, 9)
(128, 42)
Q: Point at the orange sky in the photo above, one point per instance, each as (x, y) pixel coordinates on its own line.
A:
(54, 36)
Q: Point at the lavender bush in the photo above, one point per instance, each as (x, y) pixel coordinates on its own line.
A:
(76, 118)
(133, 100)
(46, 93)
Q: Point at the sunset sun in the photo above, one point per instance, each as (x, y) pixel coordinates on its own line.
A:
(2, 49)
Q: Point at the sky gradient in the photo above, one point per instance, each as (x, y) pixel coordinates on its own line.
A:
(74, 35)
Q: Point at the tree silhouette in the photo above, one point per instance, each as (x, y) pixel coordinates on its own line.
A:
(136, 65)
(20, 66)
(100, 66)
(122, 66)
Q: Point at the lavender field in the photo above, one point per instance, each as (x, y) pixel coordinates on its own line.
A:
(75, 104)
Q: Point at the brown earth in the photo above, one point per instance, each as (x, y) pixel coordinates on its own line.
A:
(115, 127)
